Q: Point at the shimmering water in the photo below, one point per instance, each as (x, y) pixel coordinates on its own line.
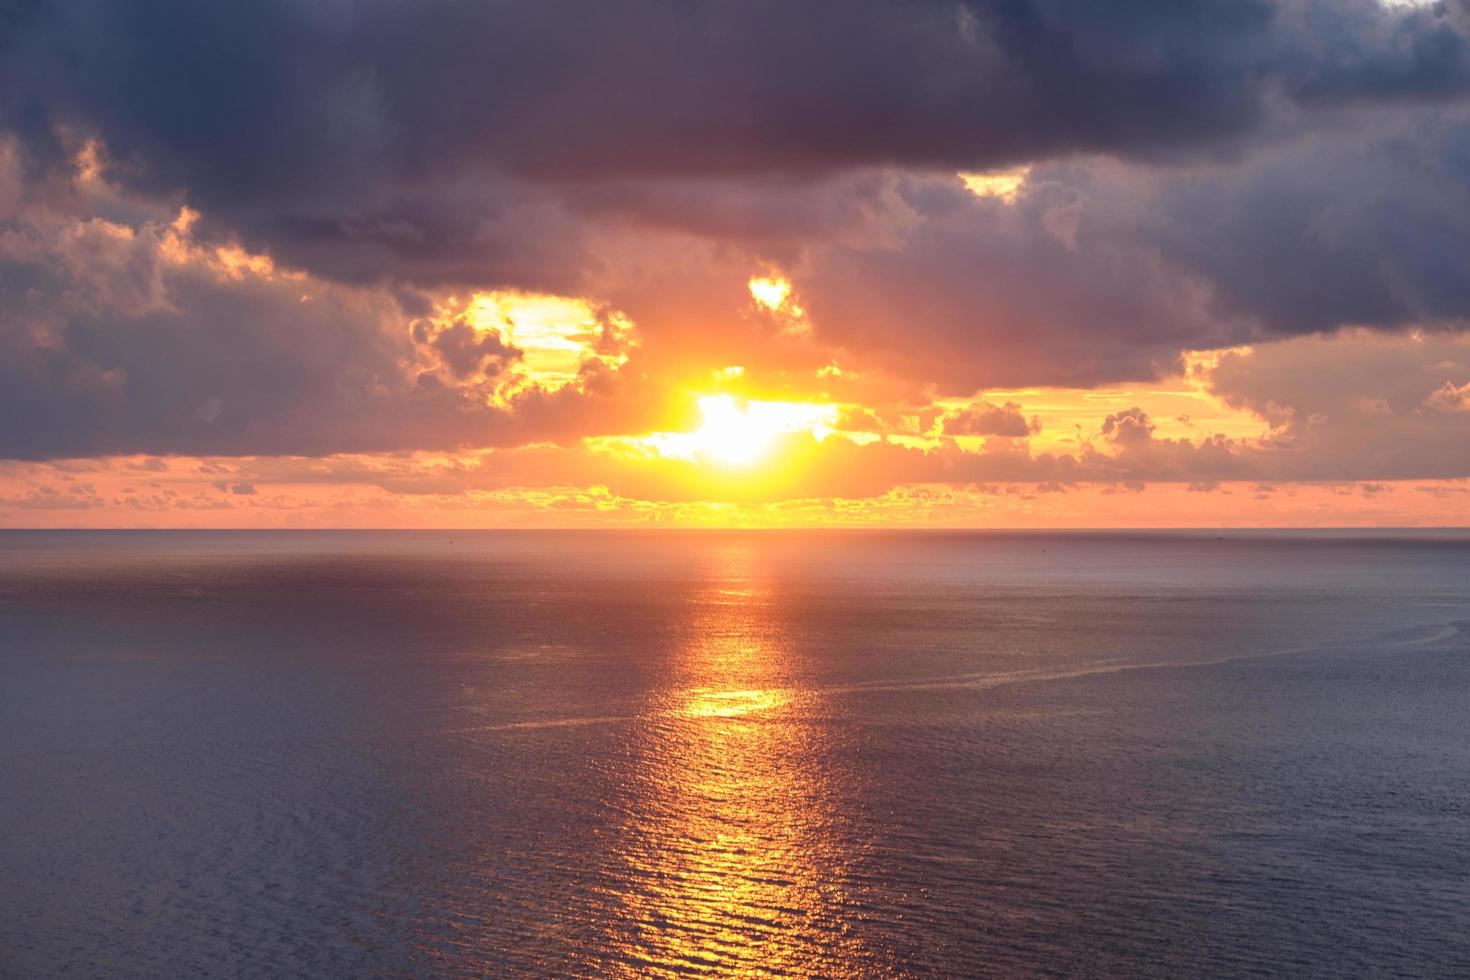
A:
(352, 755)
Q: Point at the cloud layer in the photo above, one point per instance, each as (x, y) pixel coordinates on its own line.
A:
(260, 230)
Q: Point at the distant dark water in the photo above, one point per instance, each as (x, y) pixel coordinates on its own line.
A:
(352, 755)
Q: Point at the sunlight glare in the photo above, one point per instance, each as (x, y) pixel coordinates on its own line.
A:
(770, 292)
(1004, 185)
(557, 335)
(739, 433)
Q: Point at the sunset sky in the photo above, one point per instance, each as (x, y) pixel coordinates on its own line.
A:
(1021, 263)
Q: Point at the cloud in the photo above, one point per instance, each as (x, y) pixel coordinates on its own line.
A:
(986, 419)
(1100, 271)
(1129, 429)
(464, 350)
(1139, 456)
(266, 241)
(374, 140)
(1358, 405)
(123, 336)
(975, 292)
(1450, 397)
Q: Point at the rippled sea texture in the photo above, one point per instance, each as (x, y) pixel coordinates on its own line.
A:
(353, 755)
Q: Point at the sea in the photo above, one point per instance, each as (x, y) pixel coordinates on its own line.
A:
(763, 753)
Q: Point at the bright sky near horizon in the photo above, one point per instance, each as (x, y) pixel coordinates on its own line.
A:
(882, 266)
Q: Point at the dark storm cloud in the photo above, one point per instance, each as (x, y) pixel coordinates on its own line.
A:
(1369, 227)
(975, 292)
(1103, 271)
(385, 139)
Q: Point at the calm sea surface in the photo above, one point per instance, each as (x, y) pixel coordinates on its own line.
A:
(824, 754)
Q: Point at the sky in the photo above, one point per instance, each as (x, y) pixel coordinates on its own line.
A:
(992, 263)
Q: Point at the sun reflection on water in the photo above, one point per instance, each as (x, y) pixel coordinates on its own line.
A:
(731, 704)
(729, 853)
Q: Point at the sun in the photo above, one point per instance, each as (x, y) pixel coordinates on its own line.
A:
(733, 434)
(740, 433)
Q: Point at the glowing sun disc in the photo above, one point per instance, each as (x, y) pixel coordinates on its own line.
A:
(740, 433)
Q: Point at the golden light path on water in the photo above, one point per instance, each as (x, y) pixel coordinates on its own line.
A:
(731, 864)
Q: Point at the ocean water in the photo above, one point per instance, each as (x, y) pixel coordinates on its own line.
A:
(818, 754)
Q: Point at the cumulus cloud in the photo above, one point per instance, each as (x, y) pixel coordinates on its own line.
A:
(121, 336)
(1450, 397)
(986, 419)
(1130, 428)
